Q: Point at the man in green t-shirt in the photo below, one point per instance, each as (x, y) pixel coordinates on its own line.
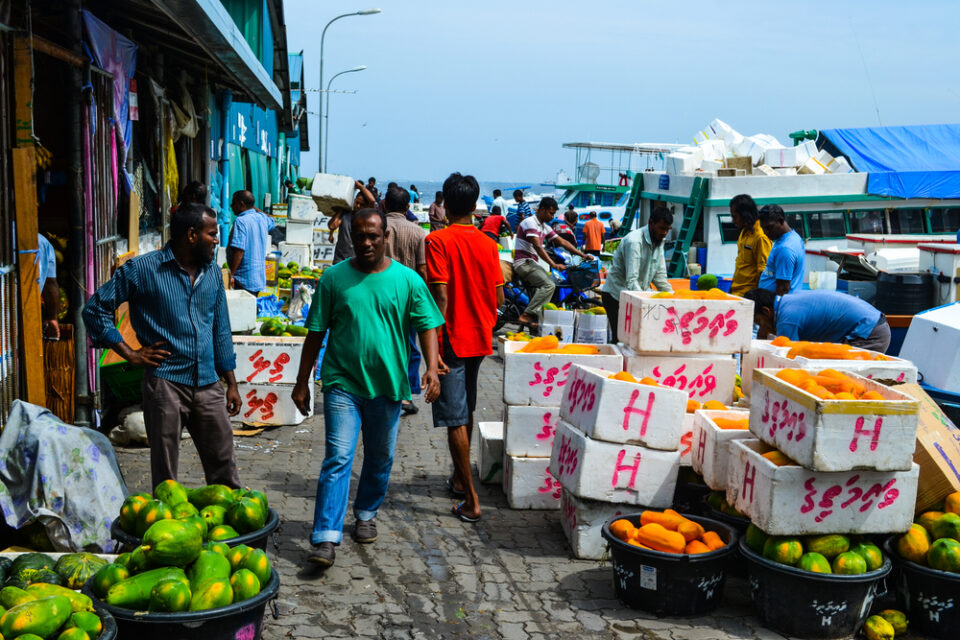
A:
(367, 304)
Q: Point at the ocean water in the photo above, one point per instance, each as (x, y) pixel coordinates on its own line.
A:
(429, 188)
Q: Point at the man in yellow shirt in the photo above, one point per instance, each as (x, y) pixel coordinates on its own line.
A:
(753, 246)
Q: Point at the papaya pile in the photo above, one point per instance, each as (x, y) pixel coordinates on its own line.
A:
(518, 336)
(717, 500)
(934, 538)
(885, 625)
(830, 553)
(173, 570)
(689, 294)
(71, 570)
(667, 531)
(824, 350)
(47, 611)
(710, 405)
(218, 512)
(550, 344)
(277, 327)
(829, 384)
(595, 311)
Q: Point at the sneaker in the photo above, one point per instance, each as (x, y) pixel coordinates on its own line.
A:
(323, 554)
(365, 531)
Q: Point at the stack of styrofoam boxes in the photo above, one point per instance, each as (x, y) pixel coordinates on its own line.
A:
(533, 386)
(591, 328)
(854, 474)
(242, 310)
(617, 444)
(330, 192)
(710, 452)
(557, 322)
(266, 372)
(324, 243)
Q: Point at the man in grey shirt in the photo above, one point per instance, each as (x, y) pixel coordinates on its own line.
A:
(342, 220)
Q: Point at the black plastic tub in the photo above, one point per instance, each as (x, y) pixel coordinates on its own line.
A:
(109, 631)
(688, 497)
(670, 584)
(811, 605)
(930, 597)
(239, 621)
(738, 568)
(255, 539)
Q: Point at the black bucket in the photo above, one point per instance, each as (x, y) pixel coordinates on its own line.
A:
(255, 539)
(688, 497)
(109, 631)
(670, 584)
(930, 597)
(804, 604)
(238, 621)
(738, 568)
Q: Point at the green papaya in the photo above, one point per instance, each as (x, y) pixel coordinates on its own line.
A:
(220, 547)
(829, 546)
(947, 526)
(139, 561)
(30, 636)
(216, 494)
(246, 515)
(212, 594)
(42, 617)
(170, 492)
(259, 496)
(172, 543)
(12, 596)
(106, 578)
(125, 560)
(184, 510)
(236, 555)
(222, 532)
(209, 565)
(149, 515)
(170, 596)
(294, 330)
(134, 592)
(213, 515)
(199, 524)
(78, 601)
(258, 562)
(815, 562)
(245, 585)
(89, 622)
(73, 633)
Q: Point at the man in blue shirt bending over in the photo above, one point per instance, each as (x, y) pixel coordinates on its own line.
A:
(821, 316)
(784, 271)
(247, 251)
(178, 310)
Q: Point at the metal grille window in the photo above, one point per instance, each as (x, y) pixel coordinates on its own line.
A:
(867, 221)
(101, 181)
(827, 224)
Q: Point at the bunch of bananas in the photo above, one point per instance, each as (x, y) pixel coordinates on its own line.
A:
(44, 157)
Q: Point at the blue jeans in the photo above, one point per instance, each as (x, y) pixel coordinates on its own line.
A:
(347, 416)
(413, 364)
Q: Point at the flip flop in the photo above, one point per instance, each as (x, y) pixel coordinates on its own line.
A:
(457, 493)
(458, 511)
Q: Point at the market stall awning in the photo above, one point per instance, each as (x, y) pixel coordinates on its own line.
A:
(920, 161)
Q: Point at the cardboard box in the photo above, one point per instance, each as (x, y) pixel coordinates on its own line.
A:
(745, 163)
(529, 484)
(792, 500)
(270, 404)
(710, 445)
(538, 378)
(490, 454)
(701, 377)
(835, 435)
(582, 521)
(937, 452)
(267, 359)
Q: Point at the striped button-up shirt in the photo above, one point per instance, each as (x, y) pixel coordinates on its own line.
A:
(191, 318)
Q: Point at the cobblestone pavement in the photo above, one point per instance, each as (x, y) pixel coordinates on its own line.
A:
(430, 575)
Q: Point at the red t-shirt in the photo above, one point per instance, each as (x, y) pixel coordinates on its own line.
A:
(467, 261)
(493, 224)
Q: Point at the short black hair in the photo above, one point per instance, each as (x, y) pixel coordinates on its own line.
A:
(397, 199)
(189, 216)
(363, 214)
(495, 211)
(496, 193)
(392, 184)
(593, 214)
(661, 214)
(547, 203)
(772, 213)
(438, 195)
(371, 180)
(746, 208)
(460, 194)
(762, 298)
(244, 197)
(196, 191)
(518, 194)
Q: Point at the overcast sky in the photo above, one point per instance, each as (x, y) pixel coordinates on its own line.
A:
(494, 87)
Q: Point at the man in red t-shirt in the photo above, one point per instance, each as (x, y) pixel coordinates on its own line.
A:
(463, 271)
(494, 224)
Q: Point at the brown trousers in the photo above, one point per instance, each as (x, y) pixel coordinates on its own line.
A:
(170, 406)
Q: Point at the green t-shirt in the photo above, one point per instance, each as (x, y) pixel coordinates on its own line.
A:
(368, 316)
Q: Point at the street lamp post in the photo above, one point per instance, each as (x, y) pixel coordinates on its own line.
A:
(326, 114)
(364, 12)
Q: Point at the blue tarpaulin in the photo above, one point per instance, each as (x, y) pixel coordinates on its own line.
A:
(920, 161)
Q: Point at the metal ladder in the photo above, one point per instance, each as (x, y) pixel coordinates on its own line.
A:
(633, 205)
(698, 197)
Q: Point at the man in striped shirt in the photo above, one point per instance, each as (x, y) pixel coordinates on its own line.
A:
(178, 310)
(523, 210)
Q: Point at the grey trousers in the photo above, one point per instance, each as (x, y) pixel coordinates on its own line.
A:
(170, 406)
(538, 279)
(878, 340)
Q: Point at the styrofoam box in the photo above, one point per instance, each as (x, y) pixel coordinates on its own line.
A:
(623, 412)
(490, 454)
(686, 441)
(790, 156)
(564, 332)
(762, 355)
(269, 404)
(242, 309)
(791, 500)
(591, 336)
(702, 378)
(529, 484)
(299, 232)
(302, 254)
(590, 321)
(539, 378)
(557, 316)
(582, 521)
(893, 371)
(332, 191)
(322, 237)
(621, 473)
(710, 445)
(302, 208)
(323, 253)
(267, 359)
(529, 431)
(835, 435)
(933, 342)
(670, 325)
(943, 260)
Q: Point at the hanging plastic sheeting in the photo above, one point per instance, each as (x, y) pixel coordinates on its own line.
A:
(118, 56)
(66, 477)
(920, 161)
(171, 177)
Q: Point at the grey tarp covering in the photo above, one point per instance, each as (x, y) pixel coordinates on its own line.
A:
(66, 476)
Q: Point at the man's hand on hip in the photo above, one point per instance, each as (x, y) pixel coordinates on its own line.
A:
(151, 355)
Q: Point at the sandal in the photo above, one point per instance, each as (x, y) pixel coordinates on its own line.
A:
(458, 511)
(457, 493)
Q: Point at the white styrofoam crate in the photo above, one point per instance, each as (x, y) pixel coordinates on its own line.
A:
(762, 355)
(490, 454)
(269, 404)
(582, 521)
(323, 254)
(621, 473)
(790, 156)
(892, 371)
(302, 254)
(564, 332)
(242, 309)
(299, 232)
(539, 378)
(710, 445)
(529, 484)
(592, 336)
(671, 325)
(686, 441)
(322, 235)
(557, 316)
(623, 412)
(835, 435)
(933, 343)
(702, 377)
(590, 321)
(302, 208)
(792, 500)
(502, 340)
(331, 191)
(267, 359)
(529, 431)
